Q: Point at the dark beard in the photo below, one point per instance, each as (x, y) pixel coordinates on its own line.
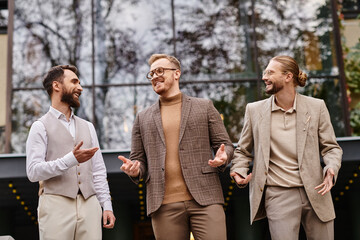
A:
(275, 88)
(68, 98)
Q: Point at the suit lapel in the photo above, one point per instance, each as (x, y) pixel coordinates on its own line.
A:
(303, 119)
(264, 128)
(157, 119)
(185, 111)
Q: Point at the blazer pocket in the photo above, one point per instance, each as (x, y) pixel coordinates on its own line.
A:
(209, 169)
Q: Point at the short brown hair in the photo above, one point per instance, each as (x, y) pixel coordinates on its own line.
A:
(56, 73)
(289, 64)
(172, 59)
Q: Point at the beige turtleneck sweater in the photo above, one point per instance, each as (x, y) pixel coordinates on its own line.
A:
(175, 186)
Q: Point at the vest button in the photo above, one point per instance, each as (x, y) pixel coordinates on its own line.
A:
(79, 182)
(78, 173)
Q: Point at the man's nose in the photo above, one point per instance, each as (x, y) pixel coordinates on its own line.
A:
(155, 76)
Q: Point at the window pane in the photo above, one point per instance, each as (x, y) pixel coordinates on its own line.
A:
(350, 5)
(301, 29)
(4, 14)
(127, 33)
(27, 107)
(118, 114)
(213, 39)
(50, 33)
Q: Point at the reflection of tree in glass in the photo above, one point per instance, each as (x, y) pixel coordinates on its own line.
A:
(59, 32)
(295, 28)
(211, 37)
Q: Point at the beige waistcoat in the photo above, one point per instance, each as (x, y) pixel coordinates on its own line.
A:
(60, 142)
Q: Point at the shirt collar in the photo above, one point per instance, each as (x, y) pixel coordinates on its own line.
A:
(59, 114)
(275, 107)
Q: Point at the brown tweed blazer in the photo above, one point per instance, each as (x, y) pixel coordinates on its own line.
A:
(314, 137)
(201, 132)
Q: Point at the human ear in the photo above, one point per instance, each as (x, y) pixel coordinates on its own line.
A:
(177, 74)
(289, 77)
(56, 86)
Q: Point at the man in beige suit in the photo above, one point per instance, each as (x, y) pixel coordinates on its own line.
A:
(62, 153)
(172, 150)
(287, 133)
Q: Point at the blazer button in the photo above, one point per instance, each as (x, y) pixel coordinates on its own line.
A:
(163, 169)
(261, 189)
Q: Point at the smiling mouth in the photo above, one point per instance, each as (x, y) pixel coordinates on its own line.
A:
(157, 83)
(267, 83)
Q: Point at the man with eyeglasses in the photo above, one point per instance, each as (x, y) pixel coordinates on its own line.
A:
(173, 142)
(284, 136)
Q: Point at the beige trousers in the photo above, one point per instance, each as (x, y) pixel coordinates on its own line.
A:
(175, 221)
(66, 218)
(286, 208)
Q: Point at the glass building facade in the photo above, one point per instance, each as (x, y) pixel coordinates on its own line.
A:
(223, 47)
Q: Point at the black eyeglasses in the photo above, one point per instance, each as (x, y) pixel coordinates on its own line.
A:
(159, 72)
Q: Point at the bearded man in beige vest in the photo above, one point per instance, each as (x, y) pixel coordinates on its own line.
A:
(172, 150)
(287, 133)
(62, 154)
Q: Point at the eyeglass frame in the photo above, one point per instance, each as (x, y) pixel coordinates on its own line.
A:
(150, 77)
(271, 72)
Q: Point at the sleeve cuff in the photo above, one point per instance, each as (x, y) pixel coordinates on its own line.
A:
(107, 206)
(70, 160)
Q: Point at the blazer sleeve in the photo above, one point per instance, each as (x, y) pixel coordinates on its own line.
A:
(330, 150)
(218, 134)
(138, 151)
(243, 152)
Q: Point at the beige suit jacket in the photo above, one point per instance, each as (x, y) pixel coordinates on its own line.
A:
(314, 136)
(201, 132)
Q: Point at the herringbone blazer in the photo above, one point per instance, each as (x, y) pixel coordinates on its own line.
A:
(314, 136)
(201, 134)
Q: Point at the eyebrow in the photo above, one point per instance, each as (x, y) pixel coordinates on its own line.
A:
(156, 68)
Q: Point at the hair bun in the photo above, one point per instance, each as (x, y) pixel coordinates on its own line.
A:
(302, 78)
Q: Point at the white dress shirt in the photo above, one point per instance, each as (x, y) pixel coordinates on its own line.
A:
(38, 169)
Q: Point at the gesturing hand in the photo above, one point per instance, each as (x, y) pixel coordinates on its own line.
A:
(83, 155)
(129, 167)
(327, 183)
(220, 157)
(239, 179)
